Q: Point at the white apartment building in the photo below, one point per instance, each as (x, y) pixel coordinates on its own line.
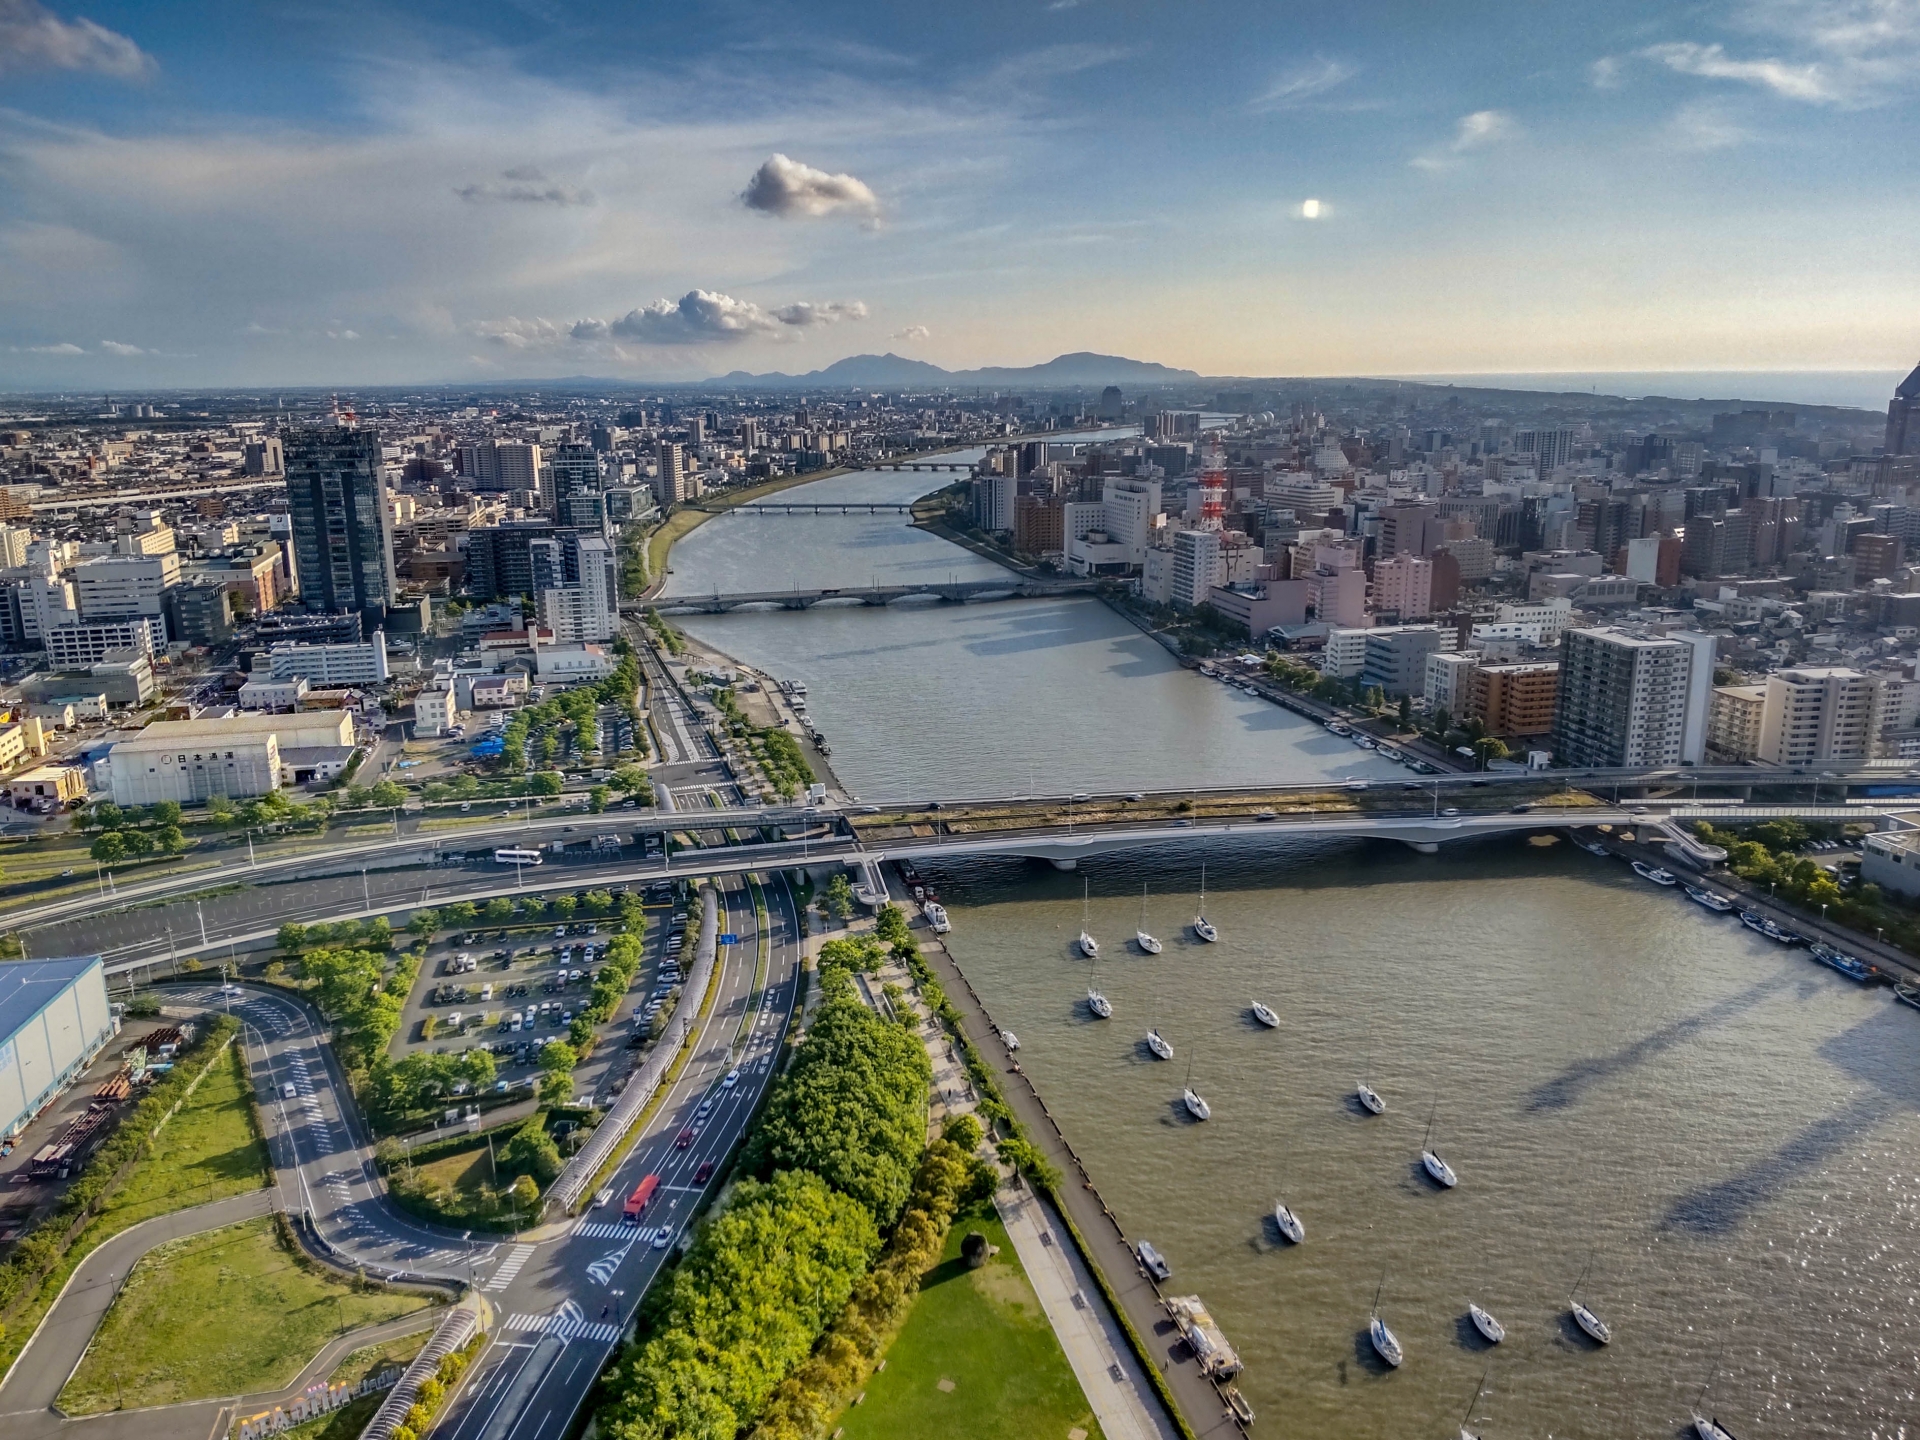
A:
(1345, 655)
(113, 587)
(587, 611)
(1197, 567)
(1813, 715)
(1450, 679)
(326, 666)
(433, 712)
(1629, 697)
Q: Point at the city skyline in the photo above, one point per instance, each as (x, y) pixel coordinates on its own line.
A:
(383, 196)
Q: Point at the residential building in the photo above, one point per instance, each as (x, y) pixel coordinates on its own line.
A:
(674, 482)
(1450, 680)
(263, 692)
(1733, 722)
(1403, 586)
(364, 663)
(508, 560)
(501, 465)
(1628, 697)
(588, 610)
(1514, 700)
(995, 498)
(265, 456)
(1039, 525)
(342, 533)
(572, 470)
(1196, 567)
(433, 711)
(1395, 657)
(1814, 715)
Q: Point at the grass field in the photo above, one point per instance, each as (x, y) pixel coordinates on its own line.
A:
(348, 1421)
(206, 1152)
(976, 1359)
(227, 1312)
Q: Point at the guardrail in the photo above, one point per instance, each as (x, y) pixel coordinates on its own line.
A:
(580, 1170)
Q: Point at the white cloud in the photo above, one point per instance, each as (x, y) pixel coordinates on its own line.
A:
(702, 317)
(65, 347)
(912, 332)
(32, 37)
(114, 347)
(1302, 84)
(1604, 73)
(787, 188)
(514, 333)
(1809, 82)
(523, 185)
(1472, 132)
(1705, 126)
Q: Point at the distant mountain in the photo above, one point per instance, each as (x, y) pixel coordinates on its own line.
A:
(1083, 369)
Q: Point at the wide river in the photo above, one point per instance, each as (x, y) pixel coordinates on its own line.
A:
(1722, 1137)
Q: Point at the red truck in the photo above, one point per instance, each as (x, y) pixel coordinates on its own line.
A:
(636, 1205)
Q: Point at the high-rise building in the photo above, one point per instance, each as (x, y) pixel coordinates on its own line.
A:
(265, 456)
(671, 484)
(1396, 656)
(1813, 715)
(1903, 417)
(575, 470)
(1733, 722)
(501, 465)
(1196, 566)
(1628, 697)
(1548, 448)
(1403, 586)
(507, 559)
(342, 533)
(1514, 699)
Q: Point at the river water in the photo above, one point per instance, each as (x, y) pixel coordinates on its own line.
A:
(1726, 1134)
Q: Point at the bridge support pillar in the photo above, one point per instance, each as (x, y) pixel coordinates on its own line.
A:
(1068, 864)
(1422, 847)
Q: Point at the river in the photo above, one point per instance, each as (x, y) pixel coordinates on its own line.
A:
(1725, 1133)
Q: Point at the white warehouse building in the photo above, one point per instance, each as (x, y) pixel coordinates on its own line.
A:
(54, 1018)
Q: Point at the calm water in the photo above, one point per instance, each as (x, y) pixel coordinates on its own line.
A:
(1729, 1131)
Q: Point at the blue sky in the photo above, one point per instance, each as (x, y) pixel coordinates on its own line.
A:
(228, 193)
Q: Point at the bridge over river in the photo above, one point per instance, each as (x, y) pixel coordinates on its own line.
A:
(1014, 587)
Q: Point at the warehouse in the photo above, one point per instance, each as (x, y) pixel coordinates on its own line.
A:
(240, 756)
(54, 1018)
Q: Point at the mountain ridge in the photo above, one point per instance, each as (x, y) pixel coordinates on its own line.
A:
(1077, 368)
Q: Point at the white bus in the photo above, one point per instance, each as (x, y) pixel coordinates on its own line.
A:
(517, 857)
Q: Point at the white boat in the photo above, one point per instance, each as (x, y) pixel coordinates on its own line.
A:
(1201, 925)
(1708, 1429)
(1010, 1040)
(1592, 847)
(1265, 1016)
(1438, 1169)
(1289, 1224)
(1197, 1107)
(1099, 1004)
(1489, 1327)
(1385, 1345)
(1140, 937)
(1654, 873)
(1708, 898)
(1152, 1261)
(1158, 1045)
(1370, 1099)
(1089, 946)
(936, 917)
(1592, 1324)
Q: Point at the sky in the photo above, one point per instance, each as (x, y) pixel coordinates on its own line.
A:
(264, 192)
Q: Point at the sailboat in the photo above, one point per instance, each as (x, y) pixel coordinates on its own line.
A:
(1140, 937)
(1089, 946)
(1196, 1107)
(1441, 1172)
(1098, 1003)
(1289, 1224)
(1202, 926)
(1265, 1016)
(1703, 1427)
(1490, 1328)
(1465, 1433)
(1384, 1342)
(1369, 1098)
(1592, 1324)
(1159, 1045)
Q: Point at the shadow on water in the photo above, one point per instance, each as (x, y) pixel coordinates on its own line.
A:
(1572, 1083)
(1467, 1335)
(1365, 1356)
(1882, 1052)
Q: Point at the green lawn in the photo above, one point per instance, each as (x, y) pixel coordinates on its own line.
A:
(206, 1152)
(227, 1312)
(976, 1359)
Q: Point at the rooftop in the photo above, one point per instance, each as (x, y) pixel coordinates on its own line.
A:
(27, 986)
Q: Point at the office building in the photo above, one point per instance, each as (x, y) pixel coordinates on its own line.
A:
(1395, 657)
(118, 587)
(364, 663)
(265, 456)
(79, 646)
(189, 761)
(1112, 533)
(1196, 567)
(1546, 448)
(1450, 680)
(1403, 586)
(54, 1019)
(200, 612)
(1632, 698)
(1903, 417)
(342, 531)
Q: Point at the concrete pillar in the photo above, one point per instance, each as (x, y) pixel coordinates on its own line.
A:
(1064, 864)
(1423, 847)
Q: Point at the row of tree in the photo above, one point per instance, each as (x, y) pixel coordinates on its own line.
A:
(362, 1001)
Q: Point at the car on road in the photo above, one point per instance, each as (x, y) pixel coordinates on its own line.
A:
(287, 1092)
(600, 1200)
(704, 1173)
(663, 1237)
(732, 1079)
(685, 1138)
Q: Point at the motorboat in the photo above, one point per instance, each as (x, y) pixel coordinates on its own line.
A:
(1099, 1004)
(1654, 873)
(1370, 1099)
(1759, 923)
(1152, 1261)
(1010, 1040)
(1592, 847)
(1592, 1324)
(1089, 946)
(1196, 1107)
(1385, 1345)
(1441, 1172)
(1719, 903)
(1158, 1045)
(1140, 937)
(1202, 926)
(936, 917)
(1708, 1429)
(1289, 1224)
(1493, 1331)
(1851, 966)
(1907, 993)
(1265, 1016)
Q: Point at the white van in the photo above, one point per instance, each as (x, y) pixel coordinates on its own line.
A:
(486, 991)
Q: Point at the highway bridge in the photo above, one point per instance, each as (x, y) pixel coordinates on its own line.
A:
(926, 465)
(1014, 587)
(812, 507)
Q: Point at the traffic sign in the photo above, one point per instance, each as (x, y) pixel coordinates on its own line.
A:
(729, 939)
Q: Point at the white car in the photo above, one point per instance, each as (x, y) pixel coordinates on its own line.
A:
(603, 1197)
(733, 1079)
(287, 1092)
(663, 1237)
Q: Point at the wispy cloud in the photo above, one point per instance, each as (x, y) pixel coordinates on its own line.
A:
(788, 189)
(32, 37)
(912, 332)
(1302, 85)
(1705, 126)
(65, 347)
(523, 185)
(1841, 53)
(1604, 73)
(115, 347)
(1809, 82)
(1471, 132)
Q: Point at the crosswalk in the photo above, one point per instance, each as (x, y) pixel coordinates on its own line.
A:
(510, 1267)
(564, 1325)
(598, 1230)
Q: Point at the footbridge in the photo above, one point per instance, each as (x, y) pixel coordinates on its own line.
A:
(1014, 587)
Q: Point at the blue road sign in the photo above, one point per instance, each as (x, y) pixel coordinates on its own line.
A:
(729, 939)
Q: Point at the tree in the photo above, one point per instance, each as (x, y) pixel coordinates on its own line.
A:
(524, 1193)
(562, 906)
(580, 1033)
(220, 810)
(424, 923)
(104, 816)
(630, 778)
(166, 812)
(558, 1055)
(169, 839)
(1406, 712)
(549, 782)
(138, 842)
(556, 1086)
(1487, 749)
(839, 898)
(599, 902)
(109, 849)
(293, 935)
(386, 795)
(499, 910)
(461, 912)
(1442, 721)
(597, 799)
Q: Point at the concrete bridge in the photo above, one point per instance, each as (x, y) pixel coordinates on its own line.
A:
(926, 465)
(1014, 587)
(825, 507)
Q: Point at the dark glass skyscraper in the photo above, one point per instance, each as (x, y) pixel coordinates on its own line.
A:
(1903, 417)
(342, 533)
